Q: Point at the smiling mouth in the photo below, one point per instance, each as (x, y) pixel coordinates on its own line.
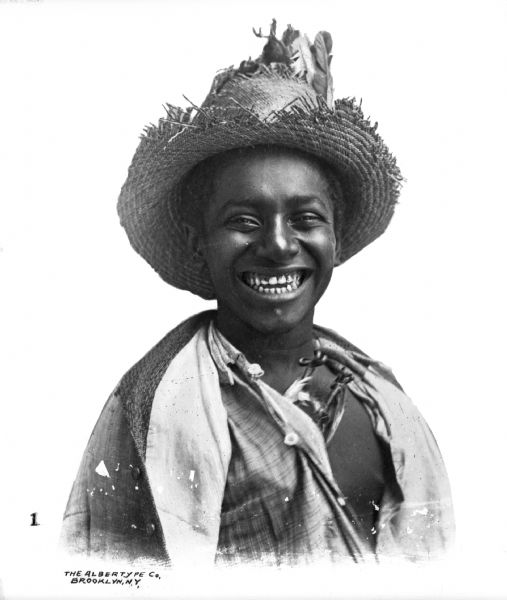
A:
(271, 284)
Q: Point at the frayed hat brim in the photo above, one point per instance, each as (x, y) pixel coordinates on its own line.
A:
(150, 200)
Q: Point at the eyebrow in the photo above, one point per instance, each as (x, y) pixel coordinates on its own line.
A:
(249, 200)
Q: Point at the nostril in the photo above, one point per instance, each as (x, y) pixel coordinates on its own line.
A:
(278, 243)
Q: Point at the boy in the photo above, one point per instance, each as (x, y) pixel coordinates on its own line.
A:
(249, 433)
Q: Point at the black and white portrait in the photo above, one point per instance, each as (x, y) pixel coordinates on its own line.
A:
(298, 369)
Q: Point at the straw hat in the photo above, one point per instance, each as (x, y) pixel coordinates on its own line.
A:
(285, 102)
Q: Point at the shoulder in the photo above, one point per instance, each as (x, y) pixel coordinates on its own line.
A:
(156, 360)
(129, 406)
(137, 387)
(344, 351)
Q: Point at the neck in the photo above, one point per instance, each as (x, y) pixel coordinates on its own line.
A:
(272, 350)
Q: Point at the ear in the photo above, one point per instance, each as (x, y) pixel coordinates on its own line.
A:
(337, 253)
(194, 241)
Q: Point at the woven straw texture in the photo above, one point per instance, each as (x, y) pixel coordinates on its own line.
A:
(243, 111)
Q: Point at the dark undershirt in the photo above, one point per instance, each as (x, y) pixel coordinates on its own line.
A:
(358, 461)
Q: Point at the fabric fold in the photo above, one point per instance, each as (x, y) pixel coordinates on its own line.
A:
(187, 454)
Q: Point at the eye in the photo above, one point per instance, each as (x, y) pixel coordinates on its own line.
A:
(307, 219)
(243, 223)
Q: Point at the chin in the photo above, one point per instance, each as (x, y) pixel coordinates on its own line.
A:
(277, 321)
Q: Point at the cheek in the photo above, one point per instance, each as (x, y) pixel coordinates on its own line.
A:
(216, 244)
(220, 251)
(325, 245)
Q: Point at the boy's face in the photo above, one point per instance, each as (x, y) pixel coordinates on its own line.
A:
(269, 239)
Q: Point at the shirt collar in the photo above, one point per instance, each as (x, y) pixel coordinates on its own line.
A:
(226, 355)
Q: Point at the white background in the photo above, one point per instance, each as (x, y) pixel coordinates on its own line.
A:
(78, 82)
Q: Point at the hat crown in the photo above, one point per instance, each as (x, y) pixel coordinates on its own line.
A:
(263, 94)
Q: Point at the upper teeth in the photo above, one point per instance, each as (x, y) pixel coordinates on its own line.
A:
(274, 284)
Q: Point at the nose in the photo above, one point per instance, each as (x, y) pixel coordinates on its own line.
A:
(278, 242)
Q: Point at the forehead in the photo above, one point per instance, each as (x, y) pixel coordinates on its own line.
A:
(265, 173)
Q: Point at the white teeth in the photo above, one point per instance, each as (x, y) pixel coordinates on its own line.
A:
(281, 284)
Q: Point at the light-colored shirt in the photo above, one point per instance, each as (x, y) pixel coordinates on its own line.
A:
(291, 507)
